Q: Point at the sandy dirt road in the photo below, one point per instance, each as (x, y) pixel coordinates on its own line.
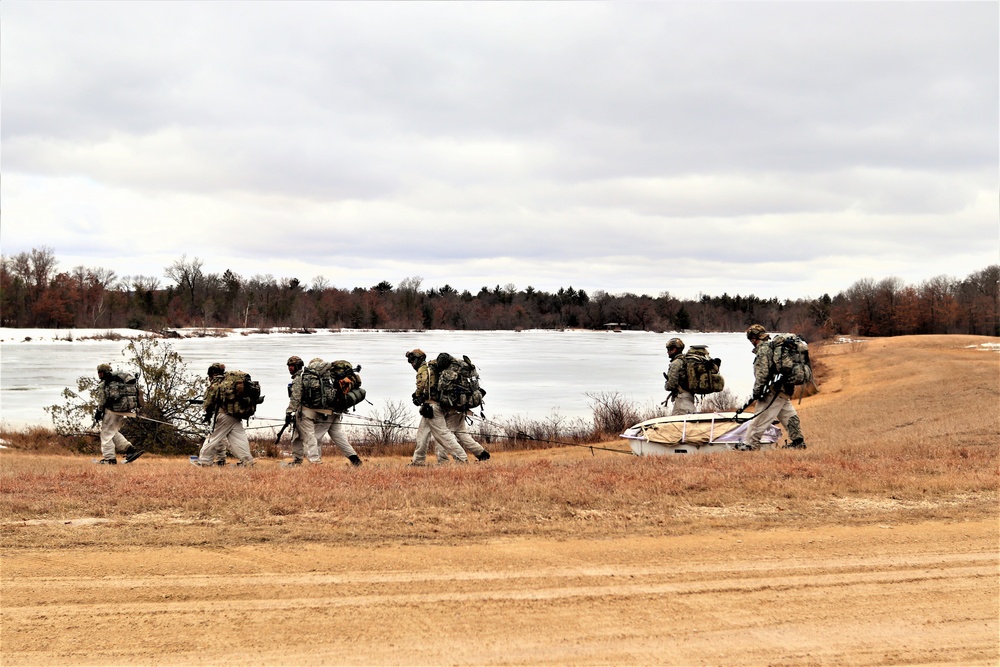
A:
(891, 594)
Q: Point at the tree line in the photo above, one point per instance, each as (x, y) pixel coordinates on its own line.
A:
(35, 293)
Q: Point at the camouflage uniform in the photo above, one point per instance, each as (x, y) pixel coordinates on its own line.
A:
(313, 424)
(677, 378)
(294, 400)
(776, 403)
(220, 452)
(436, 426)
(112, 442)
(228, 429)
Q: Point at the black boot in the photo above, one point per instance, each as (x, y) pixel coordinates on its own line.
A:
(354, 459)
(483, 455)
(797, 443)
(132, 453)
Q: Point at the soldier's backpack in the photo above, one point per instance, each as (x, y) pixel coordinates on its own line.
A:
(458, 383)
(122, 392)
(239, 394)
(702, 371)
(331, 385)
(790, 358)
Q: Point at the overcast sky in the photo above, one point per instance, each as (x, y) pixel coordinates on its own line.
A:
(783, 149)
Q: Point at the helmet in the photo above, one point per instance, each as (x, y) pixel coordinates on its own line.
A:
(675, 344)
(315, 360)
(216, 369)
(415, 353)
(294, 361)
(104, 368)
(755, 332)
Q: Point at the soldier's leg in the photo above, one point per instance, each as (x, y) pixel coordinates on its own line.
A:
(109, 429)
(297, 443)
(768, 409)
(323, 425)
(440, 452)
(239, 444)
(456, 422)
(423, 439)
(209, 450)
(121, 442)
(443, 434)
(305, 423)
(683, 404)
(789, 418)
(339, 438)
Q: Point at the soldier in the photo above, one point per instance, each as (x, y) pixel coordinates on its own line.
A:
(295, 366)
(314, 423)
(227, 428)
(677, 379)
(776, 400)
(220, 452)
(432, 418)
(111, 421)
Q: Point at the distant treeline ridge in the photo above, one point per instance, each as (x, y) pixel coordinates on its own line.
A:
(33, 293)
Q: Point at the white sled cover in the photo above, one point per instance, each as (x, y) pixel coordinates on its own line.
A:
(713, 431)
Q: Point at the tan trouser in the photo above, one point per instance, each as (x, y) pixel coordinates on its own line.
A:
(774, 405)
(683, 404)
(111, 440)
(315, 425)
(228, 429)
(297, 442)
(457, 425)
(436, 428)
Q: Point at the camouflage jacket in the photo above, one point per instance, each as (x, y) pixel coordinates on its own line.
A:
(762, 370)
(213, 401)
(100, 393)
(427, 379)
(676, 375)
(295, 393)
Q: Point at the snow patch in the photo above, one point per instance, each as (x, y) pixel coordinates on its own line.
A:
(985, 347)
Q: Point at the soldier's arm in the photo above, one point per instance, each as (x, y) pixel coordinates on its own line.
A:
(295, 397)
(674, 374)
(761, 369)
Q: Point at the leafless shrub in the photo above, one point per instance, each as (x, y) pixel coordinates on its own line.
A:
(612, 413)
(721, 401)
(390, 425)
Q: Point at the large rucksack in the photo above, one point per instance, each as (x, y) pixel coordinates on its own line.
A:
(122, 392)
(702, 371)
(239, 394)
(331, 385)
(790, 358)
(458, 383)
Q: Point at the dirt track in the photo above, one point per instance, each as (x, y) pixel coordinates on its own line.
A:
(923, 593)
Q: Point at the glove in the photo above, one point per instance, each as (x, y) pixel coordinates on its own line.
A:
(289, 418)
(417, 400)
(426, 411)
(207, 418)
(99, 415)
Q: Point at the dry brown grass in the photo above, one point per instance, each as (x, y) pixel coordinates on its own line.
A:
(903, 430)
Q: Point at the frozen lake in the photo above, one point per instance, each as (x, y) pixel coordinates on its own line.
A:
(532, 374)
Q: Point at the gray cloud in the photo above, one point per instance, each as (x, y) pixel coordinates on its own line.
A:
(616, 146)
